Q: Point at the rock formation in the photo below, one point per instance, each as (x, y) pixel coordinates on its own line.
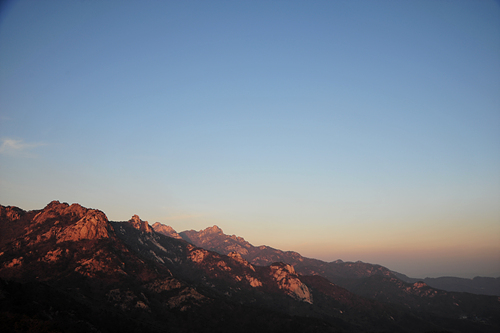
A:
(166, 230)
(288, 280)
(68, 267)
(139, 224)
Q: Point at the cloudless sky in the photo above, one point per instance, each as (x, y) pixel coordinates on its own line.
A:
(354, 130)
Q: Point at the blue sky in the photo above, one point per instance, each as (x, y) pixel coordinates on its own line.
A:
(357, 130)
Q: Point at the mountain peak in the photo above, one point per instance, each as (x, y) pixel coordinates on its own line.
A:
(66, 223)
(82, 261)
(166, 230)
(11, 213)
(213, 237)
(139, 224)
(213, 230)
(56, 203)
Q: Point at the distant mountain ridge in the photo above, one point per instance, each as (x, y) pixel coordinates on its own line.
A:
(478, 285)
(214, 239)
(68, 268)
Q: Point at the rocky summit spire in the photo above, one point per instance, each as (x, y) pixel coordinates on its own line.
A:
(166, 230)
(69, 223)
(213, 230)
(139, 224)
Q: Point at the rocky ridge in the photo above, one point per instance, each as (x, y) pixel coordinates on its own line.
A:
(478, 285)
(337, 271)
(139, 224)
(71, 267)
(229, 273)
(214, 239)
(211, 239)
(288, 280)
(166, 230)
(364, 279)
(61, 242)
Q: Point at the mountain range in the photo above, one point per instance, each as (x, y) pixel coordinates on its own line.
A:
(67, 268)
(339, 272)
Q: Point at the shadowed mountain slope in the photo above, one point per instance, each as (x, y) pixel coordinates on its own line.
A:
(214, 239)
(67, 268)
(478, 285)
(371, 281)
(338, 271)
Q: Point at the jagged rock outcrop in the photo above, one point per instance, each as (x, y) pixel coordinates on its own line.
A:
(62, 222)
(11, 213)
(78, 239)
(288, 280)
(137, 279)
(165, 230)
(139, 224)
(214, 239)
(92, 225)
(238, 258)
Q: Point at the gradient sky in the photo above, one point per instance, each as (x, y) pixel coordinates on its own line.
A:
(359, 130)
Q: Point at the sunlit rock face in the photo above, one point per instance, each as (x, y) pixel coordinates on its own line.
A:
(166, 230)
(11, 213)
(212, 230)
(238, 258)
(92, 225)
(139, 224)
(126, 269)
(68, 223)
(288, 280)
(62, 241)
(197, 255)
(214, 239)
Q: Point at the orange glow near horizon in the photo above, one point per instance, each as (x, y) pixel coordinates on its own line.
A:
(424, 250)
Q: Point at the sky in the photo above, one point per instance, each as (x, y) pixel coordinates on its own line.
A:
(353, 130)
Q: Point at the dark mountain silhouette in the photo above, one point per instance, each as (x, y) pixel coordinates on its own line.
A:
(339, 272)
(478, 285)
(214, 239)
(66, 268)
(363, 279)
